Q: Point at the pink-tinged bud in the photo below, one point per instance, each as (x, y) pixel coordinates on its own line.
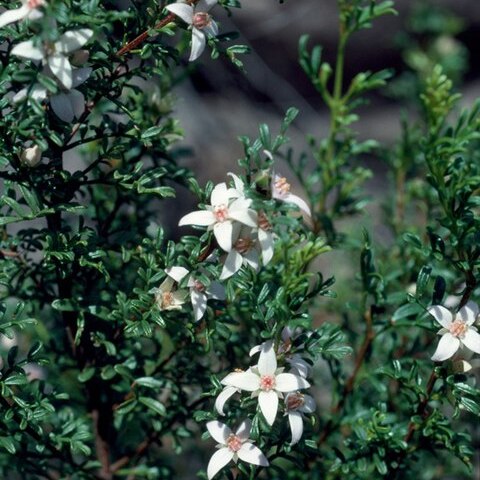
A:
(35, 3)
(31, 156)
(80, 57)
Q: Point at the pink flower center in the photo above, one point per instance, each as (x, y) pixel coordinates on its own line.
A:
(267, 383)
(243, 245)
(221, 213)
(295, 401)
(167, 299)
(234, 443)
(282, 186)
(198, 286)
(458, 328)
(35, 3)
(201, 20)
(263, 222)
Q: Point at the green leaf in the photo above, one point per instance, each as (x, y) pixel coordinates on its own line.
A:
(154, 405)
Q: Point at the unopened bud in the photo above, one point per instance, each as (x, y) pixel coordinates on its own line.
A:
(31, 156)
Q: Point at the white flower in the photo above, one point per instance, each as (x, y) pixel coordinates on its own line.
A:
(167, 298)
(281, 191)
(55, 54)
(67, 104)
(28, 10)
(31, 156)
(456, 331)
(200, 22)
(266, 382)
(296, 404)
(222, 213)
(298, 365)
(233, 446)
(199, 294)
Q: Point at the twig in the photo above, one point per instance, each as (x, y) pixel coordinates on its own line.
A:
(143, 36)
(350, 383)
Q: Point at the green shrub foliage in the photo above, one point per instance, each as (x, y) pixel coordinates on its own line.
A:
(127, 354)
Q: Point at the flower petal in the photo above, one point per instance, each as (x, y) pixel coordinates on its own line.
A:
(471, 340)
(266, 243)
(447, 346)
(288, 382)
(443, 316)
(218, 460)
(62, 107)
(222, 398)
(300, 365)
(77, 100)
(73, 40)
(247, 381)
(219, 431)
(295, 420)
(469, 313)
(203, 218)
(267, 363)
(252, 259)
(251, 454)
(309, 406)
(199, 303)
(240, 212)
(216, 291)
(223, 234)
(14, 15)
(28, 50)
(254, 350)
(299, 202)
(80, 75)
(239, 186)
(220, 195)
(182, 10)
(177, 273)
(211, 29)
(61, 68)
(243, 430)
(198, 44)
(268, 402)
(232, 264)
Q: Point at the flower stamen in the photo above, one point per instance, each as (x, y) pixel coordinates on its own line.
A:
(458, 328)
(234, 443)
(221, 213)
(201, 20)
(282, 186)
(267, 383)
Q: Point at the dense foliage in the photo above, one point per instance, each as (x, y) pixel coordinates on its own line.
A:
(120, 347)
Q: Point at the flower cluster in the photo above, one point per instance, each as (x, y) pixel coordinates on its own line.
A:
(60, 60)
(268, 384)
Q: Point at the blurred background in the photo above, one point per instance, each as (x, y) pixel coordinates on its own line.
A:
(221, 103)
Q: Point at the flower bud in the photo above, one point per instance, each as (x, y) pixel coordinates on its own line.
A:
(31, 156)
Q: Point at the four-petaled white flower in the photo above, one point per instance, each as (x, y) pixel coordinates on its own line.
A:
(266, 381)
(457, 330)
(227, 207)
(168, 298)
(199, 294)
(281, 191)
(55, 54)
(296, 404)
(233, 446)
(28, 10)
(66, 104)
(199, 20)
